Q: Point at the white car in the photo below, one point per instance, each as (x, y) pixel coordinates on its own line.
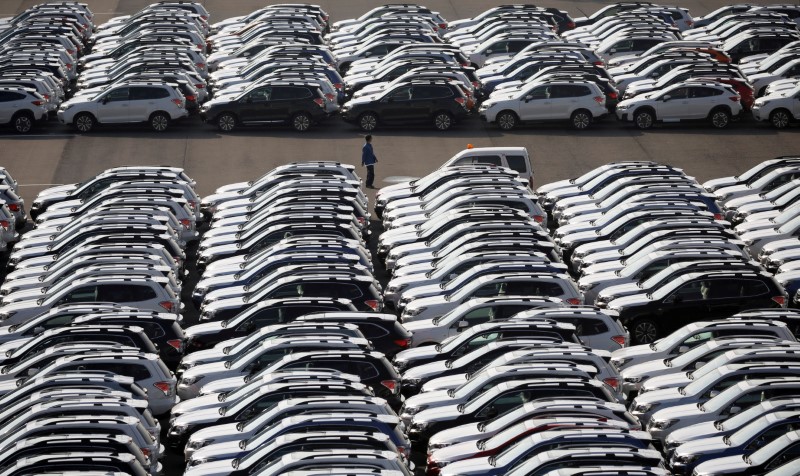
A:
(579, 102)
(779, 108)
(682, 102)
(155, 104)
(22, 108)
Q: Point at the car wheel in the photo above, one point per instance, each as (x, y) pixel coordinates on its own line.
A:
(506, 120)
(720, 118)
(581, 119)
(23, 123)
(780, 118)
(159, 121)
(368, 122)
(84, 122)
(226, 122)
(301, 122)
(442, 121)
(643, 119)
(644, 331)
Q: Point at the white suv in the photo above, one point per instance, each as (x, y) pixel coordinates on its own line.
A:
(156, 104)
(780, 107)
(21, 107)
(577, 101)
(682, 102)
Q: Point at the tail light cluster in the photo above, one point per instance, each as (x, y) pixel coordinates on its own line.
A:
(165, 387)
(320, 102)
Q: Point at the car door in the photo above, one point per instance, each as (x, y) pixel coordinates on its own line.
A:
(8, 105)
(674, 104)
(279, 106)
(683, 305)
(395, 105)
(254, 105)
(114, 106)
(702, 100)
(82, 294)
(424, 100)
(566, 98)
(724, 297)
(536, 105)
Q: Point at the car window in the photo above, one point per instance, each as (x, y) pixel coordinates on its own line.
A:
(702, 92)
(478, 316)
(752, 287)
(371, 331)
(534, 288)
(504, 403)
(689, 292)
(517, 163)
(8, 96)
(142, 93)
(541, 92)
(119, 94)
(586, 327)
(720, 289)
(280, 93)
(401, 94)
(481, 159)
(259, 95)
(125, 293)
(288, 290)
(431, 92)
(678, 93)
(152, 329)
(83, 294)
(789, 454)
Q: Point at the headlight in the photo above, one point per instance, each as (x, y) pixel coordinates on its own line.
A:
(686, 459)
(633, 379)
(617, 363)
(178, 430)
(191, 380)
(7, 315)
(197, 444)
(662, 424)
(200, 291)
(585, 287)
(196, 462)
(644, 407)
(414, 410)
(437, 446)
(412, 382)
(622, 107)
(415, 312)
(420, 426)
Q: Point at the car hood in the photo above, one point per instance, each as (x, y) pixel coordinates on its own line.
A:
(656, 396)
(443, 413)
(61, 190)
(426, 352)
(692, 432)
(215, 368)
(758, 234)
(444, 383)
(702, 446)
(676, 412)
(644, 369)
(216, 451)
(461, 433)
(192, 405)
(425, 370)
(718, 183)
(222, 385)
(195, 417)
(674, 380)
(428, 398)
(205, 328)
(627, 301)
(209, 468)
(726, 465)
(628, 352)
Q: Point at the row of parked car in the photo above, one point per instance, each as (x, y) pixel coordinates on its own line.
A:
(650, 243)
(91, 323)
(401, 64)
(719, 397)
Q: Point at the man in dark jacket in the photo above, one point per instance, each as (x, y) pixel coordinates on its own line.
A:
(369, 160)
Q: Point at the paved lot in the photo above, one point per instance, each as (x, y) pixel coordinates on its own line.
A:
(55, 155)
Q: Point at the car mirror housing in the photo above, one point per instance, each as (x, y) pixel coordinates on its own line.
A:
(666, 98)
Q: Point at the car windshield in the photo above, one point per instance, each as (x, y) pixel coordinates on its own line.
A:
(723, 399)
(664, 291)
(771, 449)
(753, 429)
(674, 339)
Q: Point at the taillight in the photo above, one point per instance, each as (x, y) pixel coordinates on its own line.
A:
(37, 103)
(402, 342)
(781, 300)
(477, 84)
(462, 101)
(186, 223)
(200, 86)
(192, 203)
(168, 305)
(69, 65)
(689, 23)
(71, 52)
(330, 97)
(177, 344)
(338, 86)
(165, 387)
(320, 102)
(5, 224)
(373, 304)
(538, 218)
(574, 301)
(466, 65)
(735, 98)
(178, 102)
(718, 216)
(391, 385)
(200, 65)
(598, 63)
(14, 207)
(145, 452)
(599, 99)
(191, 97)
(571, 25)
(612, 382)
(46, 96)
(361, 220)
(621, 340)
(613, 95)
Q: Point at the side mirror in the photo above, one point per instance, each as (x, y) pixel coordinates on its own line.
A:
(248, 100)
(611, 52)
(38, 330)
(367, 54)
(713, 393)
(683, 349)
(666, 98)
(32, 372)
(104, 100)
(463, 324)
(734, 410)
(488, 52)
(669, 300)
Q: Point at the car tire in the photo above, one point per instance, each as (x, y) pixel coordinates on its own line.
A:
(301, 122)
(84, 122)
(368, 121)
(780, 118)
(720, 118)
(506, 120)
(643, 119)
(226, 122)
(22, 122)
(159, 121)
(442, 121)
(643, 331)
(581, 119)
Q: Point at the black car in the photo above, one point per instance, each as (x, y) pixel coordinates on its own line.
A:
(372, 367)
(163, 329)
(264, 313)
(363, 291)
(694, 297)
(434, 102)
(383, 330)
(299, 105)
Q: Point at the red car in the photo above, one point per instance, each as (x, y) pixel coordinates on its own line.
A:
(742, 87)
